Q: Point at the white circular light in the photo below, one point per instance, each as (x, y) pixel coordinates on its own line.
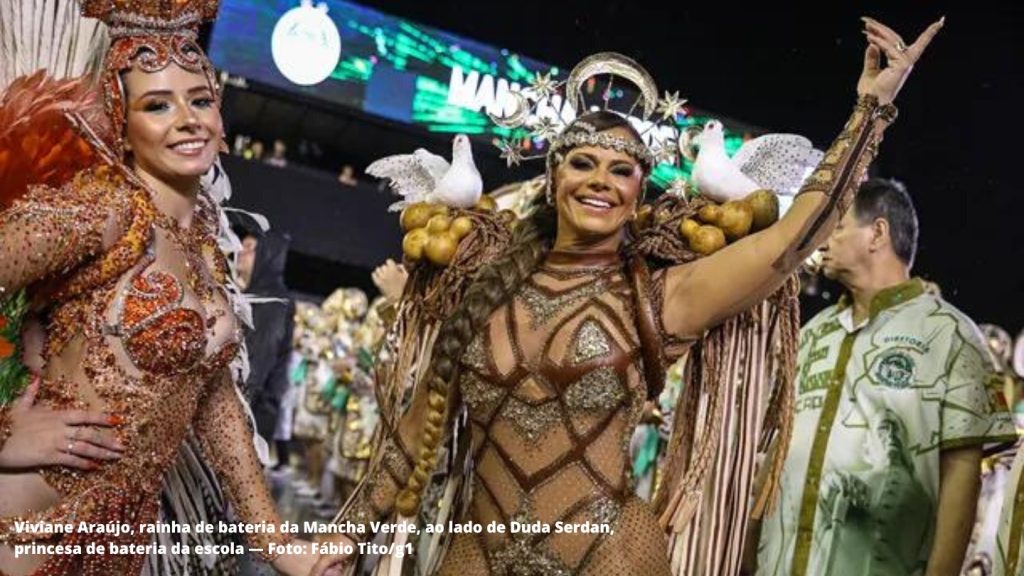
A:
(305, 44)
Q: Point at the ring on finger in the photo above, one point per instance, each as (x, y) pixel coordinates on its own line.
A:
(71, 447)
(900, 46)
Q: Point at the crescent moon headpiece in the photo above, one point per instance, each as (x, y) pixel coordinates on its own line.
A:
(656, 117)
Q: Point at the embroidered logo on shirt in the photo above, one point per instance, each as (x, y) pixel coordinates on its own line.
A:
(895, 369)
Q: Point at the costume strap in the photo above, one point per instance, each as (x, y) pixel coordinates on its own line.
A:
(651, 346)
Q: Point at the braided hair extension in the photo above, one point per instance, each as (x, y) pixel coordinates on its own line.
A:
(493, 286)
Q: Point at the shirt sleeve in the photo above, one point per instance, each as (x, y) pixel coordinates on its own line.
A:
(973, 409)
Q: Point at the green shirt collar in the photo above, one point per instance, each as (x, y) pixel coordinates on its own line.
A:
(888, 297)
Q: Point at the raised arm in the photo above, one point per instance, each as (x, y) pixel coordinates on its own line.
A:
(710, 290)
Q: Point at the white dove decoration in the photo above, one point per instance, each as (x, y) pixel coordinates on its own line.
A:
(776, 162)
(426, 177)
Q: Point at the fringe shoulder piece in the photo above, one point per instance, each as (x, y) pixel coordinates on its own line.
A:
(737, 397)
(435, 287)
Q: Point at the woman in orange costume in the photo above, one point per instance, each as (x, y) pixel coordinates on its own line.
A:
(117, 244)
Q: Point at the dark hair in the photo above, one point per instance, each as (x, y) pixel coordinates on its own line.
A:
(888, 199)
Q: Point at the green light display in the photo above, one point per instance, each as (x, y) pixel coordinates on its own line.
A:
(406, 72)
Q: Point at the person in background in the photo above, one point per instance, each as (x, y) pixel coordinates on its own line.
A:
(894, 402)
(348, 176)
(261, 267)
(255, 151)
(277, 157)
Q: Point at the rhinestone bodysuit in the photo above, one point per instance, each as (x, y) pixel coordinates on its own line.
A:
(554, 388)
(559, 390)
(554, 385)
(153, 347)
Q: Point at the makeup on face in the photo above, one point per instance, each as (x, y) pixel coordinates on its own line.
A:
(173, 126)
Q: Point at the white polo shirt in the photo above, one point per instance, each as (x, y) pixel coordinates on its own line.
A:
(875, 405)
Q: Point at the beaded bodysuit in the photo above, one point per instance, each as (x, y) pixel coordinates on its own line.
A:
(554, 388)
(151, 346)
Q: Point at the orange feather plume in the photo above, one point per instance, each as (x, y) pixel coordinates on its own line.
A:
(38, 142)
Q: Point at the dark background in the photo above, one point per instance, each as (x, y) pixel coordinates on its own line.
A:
(789, 68)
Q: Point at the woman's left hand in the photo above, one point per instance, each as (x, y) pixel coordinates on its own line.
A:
(885, 83)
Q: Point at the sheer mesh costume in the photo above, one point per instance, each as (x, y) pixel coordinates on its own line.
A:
(152, 346)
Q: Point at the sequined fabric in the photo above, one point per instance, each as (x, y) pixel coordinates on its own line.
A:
(157, 330)
(839, 175)
(151, 345)
(565, 390)
(378, 489)
(591, 342)
(57, 230)
(554, 389)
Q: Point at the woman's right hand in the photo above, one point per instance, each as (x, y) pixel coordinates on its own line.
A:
(44, 437)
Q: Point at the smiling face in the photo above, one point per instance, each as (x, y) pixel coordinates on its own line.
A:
(597, 191)
(173, 126)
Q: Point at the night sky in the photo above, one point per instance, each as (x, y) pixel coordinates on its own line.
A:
(794, 69)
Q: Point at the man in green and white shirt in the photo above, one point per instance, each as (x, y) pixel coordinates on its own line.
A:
(894, 399)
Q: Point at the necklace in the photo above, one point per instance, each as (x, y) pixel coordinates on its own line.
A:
(567, 264)
(194, 243)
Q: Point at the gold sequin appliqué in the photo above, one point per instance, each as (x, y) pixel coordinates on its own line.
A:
(543, 307)
(519, 556)
(591, 342)
(482, 397)
(532, 422)
(599, 389)
(475, 356)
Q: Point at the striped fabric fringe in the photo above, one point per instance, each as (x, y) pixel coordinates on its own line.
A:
(191, 495)
(739, 412)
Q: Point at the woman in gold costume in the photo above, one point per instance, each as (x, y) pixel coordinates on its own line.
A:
(548, 356)
(116, 243)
